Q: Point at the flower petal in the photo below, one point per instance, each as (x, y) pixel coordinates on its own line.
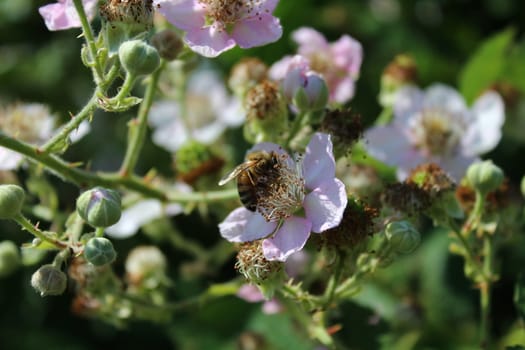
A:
(209, 41)
(170, 132)
(457, 166)
(319, 162)
(9, 160)
(325, 205)
(484, 132)
(290, 238)
(242, 225)
(407, 101)
(134, 217)
(250, 293)
(309, 41)
(257, 31)
(348, 54)
(62, 15)
(446, 98)
(183, 14)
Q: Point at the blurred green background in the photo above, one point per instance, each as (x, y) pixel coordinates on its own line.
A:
(426, 296)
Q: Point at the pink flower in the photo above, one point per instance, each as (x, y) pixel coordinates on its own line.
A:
(309, 198)
(338, 63)
(252, 294)
(215, 26)
(437, 126)
(63, 15)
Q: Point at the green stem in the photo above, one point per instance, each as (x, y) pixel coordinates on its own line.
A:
(83, 178)
(137, 137)
(98, 72)
(64, 132)
(99, 232)
(334, 280)
(28, 226)
(180, 242)
(485, 290)
(296, 126)
(127, 85)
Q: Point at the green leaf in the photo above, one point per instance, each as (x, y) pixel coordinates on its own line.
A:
(514, 68)
(519, 296)
(486, 65)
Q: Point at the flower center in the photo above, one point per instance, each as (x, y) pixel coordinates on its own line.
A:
(438, 132)
(30, 123)
(283, 192)
(230, 11)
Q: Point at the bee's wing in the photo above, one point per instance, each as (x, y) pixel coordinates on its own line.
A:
(236, 172)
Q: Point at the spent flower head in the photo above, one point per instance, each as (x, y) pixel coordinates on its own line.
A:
(338, 63)
(303, 196)
(437, 126)
(215, 26)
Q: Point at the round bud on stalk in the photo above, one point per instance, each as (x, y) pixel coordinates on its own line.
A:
(49, 280)
(99, 207)
(485, 176)
(99, 251)
(168, 44)
(307, 90)
(11, 201)
(10, 258)
(402, 236)
(138, 58)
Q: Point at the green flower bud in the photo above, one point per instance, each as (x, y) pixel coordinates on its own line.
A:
(99, 251)
(168, 44)
(313, 96)
(49, 280)
(485, 176)
(99, 207)
(9, 258)
(11, 201)
(402, 236)
(138, 58)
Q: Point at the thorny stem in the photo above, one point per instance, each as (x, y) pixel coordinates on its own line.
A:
(137, 137)
(334, 280)
(82, 178)
(485, 290)
(84, 113)
(28, 226)
(98, 72)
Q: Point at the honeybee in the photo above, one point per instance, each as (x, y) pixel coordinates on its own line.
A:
(259, 168)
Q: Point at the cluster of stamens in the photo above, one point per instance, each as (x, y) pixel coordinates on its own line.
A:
(281, 191)
(230, 11)
(27, 122)
(128, 11)
(263, 100)
(253, 265)
(438, 132)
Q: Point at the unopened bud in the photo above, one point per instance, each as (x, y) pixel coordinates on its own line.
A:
(307, 90)
(10, 258)
(138, 58)
(168, 44)
(49, 280)
(402, 236)
(11, 201)
(485, 176)
(99, 207)
(99, 251)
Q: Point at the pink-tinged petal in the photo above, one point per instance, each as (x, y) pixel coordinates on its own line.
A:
(309, 40)
(443, 97)
(272, 307)
(407, 102)
(343, 91)
(250, 293)
(183, 14)
(484, 132)
(347, 53)
(257, 31)
(268, 6)
(290, 238)
(279, 69)
(319, 162)
(242, 225)
(457, 166)
(325, 205)
(296, 263)
(389, 145)
(62, 15)
(209, 41)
